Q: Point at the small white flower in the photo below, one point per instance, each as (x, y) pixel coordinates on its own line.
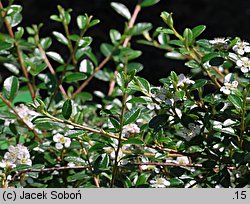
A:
(61, 141)
(183, 160)
(244, 64)
(184, 80)
(229, 85)
(130, 129)
(159, 183)
(218, 41)
(26, 114)
(71, 164)
(241, 48)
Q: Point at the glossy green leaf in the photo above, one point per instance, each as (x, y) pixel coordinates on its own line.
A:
(115, 123)
(10, 87)
(198, 30)
(74, 77)
(198, 84)
(134, 66)
(81, 22)
(188, 37)
(236, 101)
(55, 56)
(121, 9)
(131, 116)
(61, 38)
(146, 3)
(85, 41)
(86, 66)
(37, 68)
(143, 84)
(139, 28)
(115, 36)
(167, 18)
(19, 33)
(46, 43)
(120, 79)
(75, 160)
(106, 49)
(67, 109)
(5, 45)
(158, 121)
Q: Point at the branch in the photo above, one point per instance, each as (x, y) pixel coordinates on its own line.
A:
(19, 52)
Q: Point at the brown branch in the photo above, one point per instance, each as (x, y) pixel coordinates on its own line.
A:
(51, 69)
(86, 82)
(19, 52)
(181, 165)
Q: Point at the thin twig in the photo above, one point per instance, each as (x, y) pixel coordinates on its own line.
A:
(51, 69)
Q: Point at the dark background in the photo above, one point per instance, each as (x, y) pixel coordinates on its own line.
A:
(222, 18)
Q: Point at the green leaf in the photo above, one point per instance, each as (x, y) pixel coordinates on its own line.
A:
(131, 116)
(37, 68)
(46, 43)
(158, 121)
(21, 167)
(103, 75)
(146, 3)
(67, 109)
(73, 77)
(198, 84)
(143, 84)
(76, 160)
(192, 64)
(106, 49)
(86, 66)
(15, 19)
(115, 123)
(10, 87)
(94, 22)
(81, 22)
(134, 66)
(56, 18)
(12, 68)
(5, 45)
(137, 100)
(121, 9)
(175, 55)
(55, 56)
(216, 61)
(85, 41)
(120, 79)
(142, 179)
(210, 56)
(139, 28)
(167, 18)
(198, 30)
(188, 37)
(19, 33)
(164, 30)
(134, 141)
(236, 101)
(115, 36)
(61, 38)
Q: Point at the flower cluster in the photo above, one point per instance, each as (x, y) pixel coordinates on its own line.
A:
(130, 129)
(16, 155)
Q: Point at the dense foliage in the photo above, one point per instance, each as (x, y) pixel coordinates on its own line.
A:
(190, 132)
